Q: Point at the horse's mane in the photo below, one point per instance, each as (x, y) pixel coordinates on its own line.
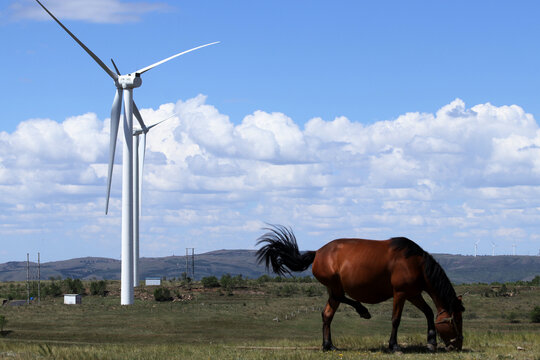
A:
(434, 273)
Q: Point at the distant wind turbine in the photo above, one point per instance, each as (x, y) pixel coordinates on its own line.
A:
(124, 89)
(476, 248)
(492, 248)
(514, 248)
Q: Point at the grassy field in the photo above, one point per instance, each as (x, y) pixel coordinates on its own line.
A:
(260, 321)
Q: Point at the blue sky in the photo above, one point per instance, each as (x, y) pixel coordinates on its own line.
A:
(365, 60)
(308, 75)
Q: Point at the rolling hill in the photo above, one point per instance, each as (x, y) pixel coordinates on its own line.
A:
(460, 269)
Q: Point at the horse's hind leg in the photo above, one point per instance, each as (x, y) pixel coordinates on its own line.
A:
(421, 304)
(360, 309)
(327, 316)
(399, 301)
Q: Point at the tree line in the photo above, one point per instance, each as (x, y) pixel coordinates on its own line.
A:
(54, 287)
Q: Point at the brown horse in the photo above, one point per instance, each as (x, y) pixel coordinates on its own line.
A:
(371, 271)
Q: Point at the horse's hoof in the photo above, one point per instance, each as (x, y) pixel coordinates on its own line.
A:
(431, 347)
(329, 348)
(365, 315)
(395, 348)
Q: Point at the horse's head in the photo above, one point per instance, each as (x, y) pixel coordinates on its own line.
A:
(450, 327)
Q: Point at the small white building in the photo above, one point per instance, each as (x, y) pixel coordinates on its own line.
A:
(153, 281)
(72, 299)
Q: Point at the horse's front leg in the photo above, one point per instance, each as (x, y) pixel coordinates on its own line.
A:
(421, 304)
(399, 301)
(327, 316)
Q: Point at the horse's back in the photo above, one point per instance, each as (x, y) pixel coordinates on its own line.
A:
(353, 265)
(367, 270)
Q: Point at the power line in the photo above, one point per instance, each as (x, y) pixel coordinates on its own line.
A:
(190, 263)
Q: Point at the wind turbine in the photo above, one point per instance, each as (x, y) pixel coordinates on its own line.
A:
(514, 248)
(138, 165)
(476, 248)
(492, 248)
(124, 89)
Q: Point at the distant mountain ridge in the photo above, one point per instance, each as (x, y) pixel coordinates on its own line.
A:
(459, 268)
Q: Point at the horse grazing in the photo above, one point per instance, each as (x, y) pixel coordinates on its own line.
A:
(371, 271)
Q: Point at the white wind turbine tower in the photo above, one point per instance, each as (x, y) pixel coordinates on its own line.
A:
(124, 88)
(492, 248)
(476, 248)
(514, 248)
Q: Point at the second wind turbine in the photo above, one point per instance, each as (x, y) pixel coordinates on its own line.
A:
(138, 165)
(124, 89)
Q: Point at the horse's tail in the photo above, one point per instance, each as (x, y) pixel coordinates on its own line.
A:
(433, 273)
(281, 251)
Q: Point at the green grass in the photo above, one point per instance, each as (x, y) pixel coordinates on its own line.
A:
(214, 325)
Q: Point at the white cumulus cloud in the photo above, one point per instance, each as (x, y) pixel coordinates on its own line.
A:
(442, 179)
(96, 11)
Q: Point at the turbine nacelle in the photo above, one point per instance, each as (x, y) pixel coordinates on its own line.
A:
(129, 81)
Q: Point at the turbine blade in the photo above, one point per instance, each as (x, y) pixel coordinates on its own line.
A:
(142, 152)
(94, 56)
(115, 67)
(143, 70)
(115, 122)
(139, 117)
(159, 122)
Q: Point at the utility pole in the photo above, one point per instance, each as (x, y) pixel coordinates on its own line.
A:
(193, 264)
(39, 279)
(187, 264)
(27, 278)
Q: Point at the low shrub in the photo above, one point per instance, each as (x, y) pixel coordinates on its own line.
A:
(53, 289)
(264, 279)
(210, 282)
(226, 282)
(162, 294)
(287, 290)
(186, 280)
(313, 290)
(512, 317)
(535, 314)
(98, 288)
(73, 286)
(229, 282)
(3, 322)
